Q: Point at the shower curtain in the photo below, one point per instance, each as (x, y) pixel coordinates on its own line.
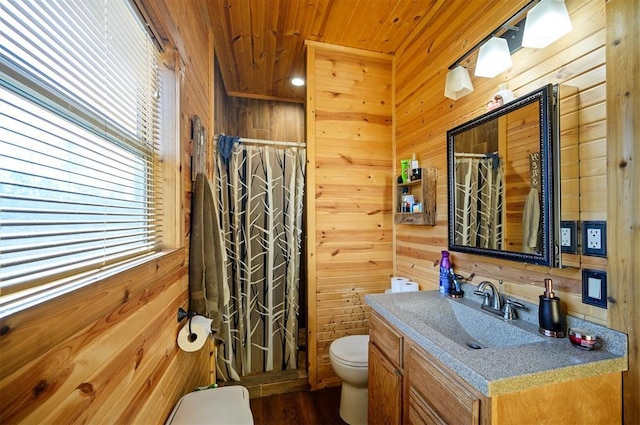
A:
(479, 202)
(259, 197)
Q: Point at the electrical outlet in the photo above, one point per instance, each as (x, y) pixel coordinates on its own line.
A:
(594, 238)
(568, 236)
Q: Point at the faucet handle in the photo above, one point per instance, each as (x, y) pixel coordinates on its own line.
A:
(510, 312)
(486, 296)
(514, 302)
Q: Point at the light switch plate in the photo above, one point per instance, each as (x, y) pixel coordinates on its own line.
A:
(569, 237)
(594, 287)
(594, 238)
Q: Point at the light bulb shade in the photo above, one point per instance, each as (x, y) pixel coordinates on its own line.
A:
(493, 58)
(458, 83)
(546, 22)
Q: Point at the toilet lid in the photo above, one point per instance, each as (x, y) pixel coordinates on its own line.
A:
(225, 405)
(351, 350)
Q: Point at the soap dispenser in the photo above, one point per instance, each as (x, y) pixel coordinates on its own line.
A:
(549, 313)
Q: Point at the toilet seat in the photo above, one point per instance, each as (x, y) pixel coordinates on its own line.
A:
(352, 351)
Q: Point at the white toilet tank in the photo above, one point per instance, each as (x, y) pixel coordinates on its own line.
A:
(215, 406)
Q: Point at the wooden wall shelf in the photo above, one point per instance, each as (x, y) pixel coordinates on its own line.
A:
(423, 191)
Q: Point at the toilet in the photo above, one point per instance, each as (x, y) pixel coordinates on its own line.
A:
(223, 406)
(349, 358)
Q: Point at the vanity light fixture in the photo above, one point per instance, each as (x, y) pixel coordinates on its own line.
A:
(537, 23)
(546, 22)
(458, 83)
(496, 47)
(493, 58)
(297, 81)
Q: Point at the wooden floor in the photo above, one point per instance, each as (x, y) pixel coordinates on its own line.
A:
(298, 408)
(282, 397)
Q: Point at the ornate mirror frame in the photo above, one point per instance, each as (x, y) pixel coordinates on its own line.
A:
(545, 97)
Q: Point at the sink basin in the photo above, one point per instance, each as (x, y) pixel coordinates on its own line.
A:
(466, 325)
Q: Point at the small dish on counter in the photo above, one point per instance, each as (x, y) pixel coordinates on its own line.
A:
(583, 339)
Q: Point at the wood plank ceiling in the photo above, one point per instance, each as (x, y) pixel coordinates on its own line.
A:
(260, 43)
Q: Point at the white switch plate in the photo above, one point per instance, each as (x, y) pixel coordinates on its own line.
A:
(594, 287)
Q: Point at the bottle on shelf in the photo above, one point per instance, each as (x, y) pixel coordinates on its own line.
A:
(416, 171)
(405, 165)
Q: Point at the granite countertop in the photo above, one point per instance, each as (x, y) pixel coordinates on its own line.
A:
(514, 355)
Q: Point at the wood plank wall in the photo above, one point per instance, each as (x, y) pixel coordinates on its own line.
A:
(257, 118)
(623, 182)
(424, 115)
(106, 353)
(349, 195)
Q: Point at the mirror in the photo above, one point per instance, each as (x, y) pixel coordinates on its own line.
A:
(503, 176)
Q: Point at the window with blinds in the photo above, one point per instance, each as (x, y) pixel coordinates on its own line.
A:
(79, 134)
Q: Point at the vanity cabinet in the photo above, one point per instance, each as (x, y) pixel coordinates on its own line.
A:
(407, 385)
(437, 396)
(424, 192)
(385, 370)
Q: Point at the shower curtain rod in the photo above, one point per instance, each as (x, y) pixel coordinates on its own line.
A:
(472, 155)
(268, 142)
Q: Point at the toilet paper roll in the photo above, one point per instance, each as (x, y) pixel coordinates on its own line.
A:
(396, 283)
(409, 287)
(200, 331)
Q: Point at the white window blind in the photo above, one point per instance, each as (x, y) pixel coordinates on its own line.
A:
(79, 133)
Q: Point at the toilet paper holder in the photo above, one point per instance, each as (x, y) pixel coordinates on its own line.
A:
(182, 314)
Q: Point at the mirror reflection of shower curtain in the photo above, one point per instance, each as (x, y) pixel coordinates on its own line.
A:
(479, 202)
(259, 196)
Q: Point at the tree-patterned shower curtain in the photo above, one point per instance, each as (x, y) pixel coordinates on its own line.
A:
(479, 202)
(259, 196)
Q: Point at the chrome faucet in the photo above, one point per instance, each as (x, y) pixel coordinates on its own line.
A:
(492, 300)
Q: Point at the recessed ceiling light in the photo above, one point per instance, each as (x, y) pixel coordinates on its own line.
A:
(297, 81)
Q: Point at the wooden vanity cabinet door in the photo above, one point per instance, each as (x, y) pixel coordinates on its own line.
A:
(386, 338)
(385, 390)
(435, 395)
(385, 372)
